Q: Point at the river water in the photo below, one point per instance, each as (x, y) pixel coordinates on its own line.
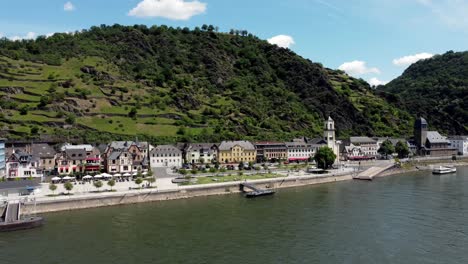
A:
(414, 218)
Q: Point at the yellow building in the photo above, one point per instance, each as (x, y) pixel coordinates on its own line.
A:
(236, 151)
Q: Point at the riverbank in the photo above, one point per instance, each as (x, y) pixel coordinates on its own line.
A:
(422, 166)
(75, 202)
(84, 201)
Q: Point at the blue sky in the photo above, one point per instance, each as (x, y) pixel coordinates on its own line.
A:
(371, 39)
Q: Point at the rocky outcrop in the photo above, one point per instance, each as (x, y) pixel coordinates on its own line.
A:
(98, 75)
(12, 89)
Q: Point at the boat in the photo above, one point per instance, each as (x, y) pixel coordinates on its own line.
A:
(12, 220)
(258, 193)
(444, 170)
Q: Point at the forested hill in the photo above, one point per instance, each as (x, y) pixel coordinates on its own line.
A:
(170, 84)
(437, 89)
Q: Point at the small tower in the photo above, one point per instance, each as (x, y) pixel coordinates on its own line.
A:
(420, 134)
(329, 136)
(329, 132)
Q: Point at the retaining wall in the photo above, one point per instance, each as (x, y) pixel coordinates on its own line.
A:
(109, 199)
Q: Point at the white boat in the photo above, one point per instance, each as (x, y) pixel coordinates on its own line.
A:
(444, 170)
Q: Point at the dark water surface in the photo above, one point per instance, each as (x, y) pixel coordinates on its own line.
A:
(402, 219)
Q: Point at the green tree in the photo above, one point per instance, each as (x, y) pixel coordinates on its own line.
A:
(24, 110)
(324, 157)
(111, 183)
(183, 171)
(402, 149)
(34, 130)
(52, 187)
(151, 180)
(149, 173)
(386, 148)
(68, 186)
(241, 165)
(98, 184)
(71, 119)
(139, 181)
(133, 113)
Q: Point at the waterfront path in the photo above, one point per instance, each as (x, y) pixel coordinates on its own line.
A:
(83, 191)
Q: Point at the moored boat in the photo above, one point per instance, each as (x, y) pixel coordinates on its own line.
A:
(259, 193)
(444, 170)
(11, 218)
(26, 223)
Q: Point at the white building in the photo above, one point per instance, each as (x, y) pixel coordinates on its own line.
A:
(460, 143)
(165, 156)
(22, 165)
(361, 148)
(300, 150)
(68, 146)
(201, 153)
(120, 162)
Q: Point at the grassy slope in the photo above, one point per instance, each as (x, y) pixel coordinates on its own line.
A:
(214, 86)
(435, 88)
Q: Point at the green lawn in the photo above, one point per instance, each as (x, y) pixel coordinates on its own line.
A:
(235, 177)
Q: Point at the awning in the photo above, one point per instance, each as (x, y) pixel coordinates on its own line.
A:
(56, 178)
(88, 177)
(300, 159)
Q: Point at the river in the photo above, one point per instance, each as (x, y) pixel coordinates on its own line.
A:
(414, 218)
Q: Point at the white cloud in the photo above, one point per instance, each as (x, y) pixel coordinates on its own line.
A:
(68, 6)
(376, 82)
(357, 67)
(408, 60)
(29, 35)
(283, 41)
(171, 9)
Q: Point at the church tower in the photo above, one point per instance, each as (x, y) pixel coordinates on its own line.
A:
(420, 134)
(329, 136)
(329, 132)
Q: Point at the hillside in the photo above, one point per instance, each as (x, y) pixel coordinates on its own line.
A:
(435, 88)
(166, 84)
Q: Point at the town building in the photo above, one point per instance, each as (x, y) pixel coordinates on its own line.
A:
(119, 161)
(22, 165)
(46, 155)
(78, 159)
(360, 148)
(431, 143)
(300, 150)
(166, 156)
(200, 153)
(236, 152)
(270, 151)
(460, 143)
(118, 149)
(2, 158)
